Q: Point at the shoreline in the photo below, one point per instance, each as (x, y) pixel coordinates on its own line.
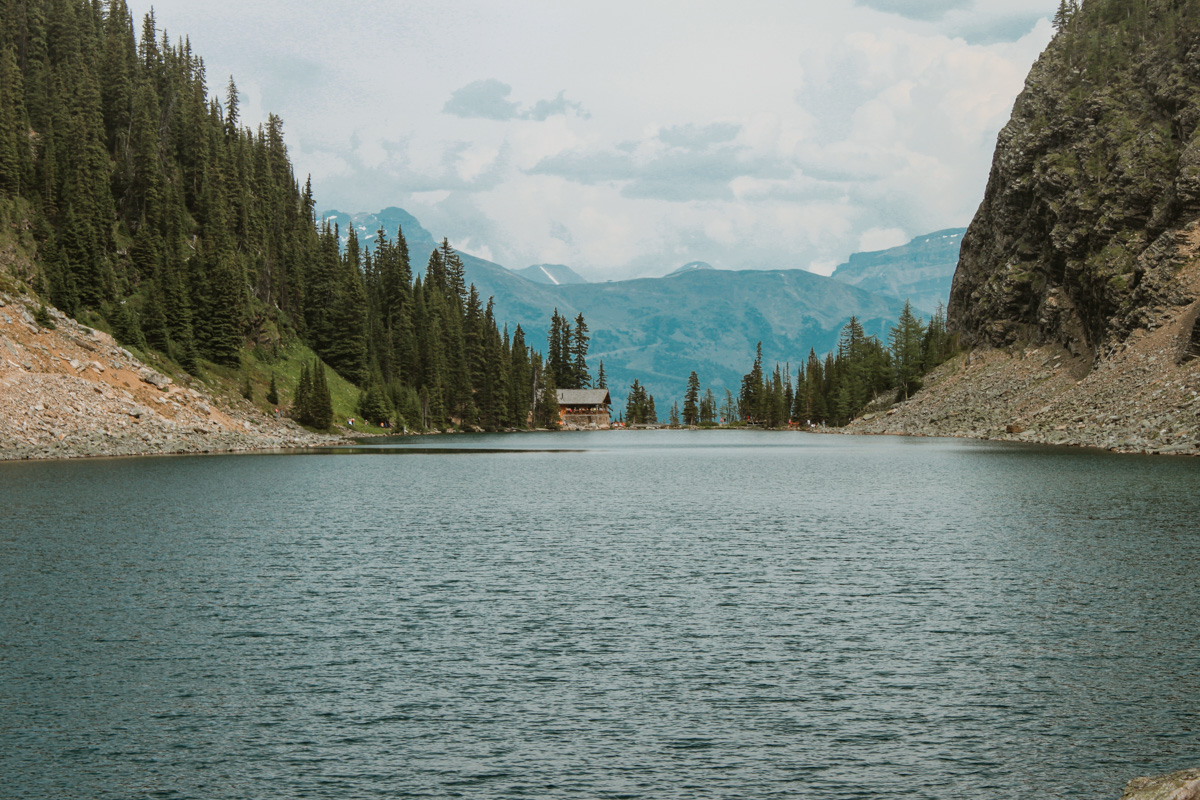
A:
(69, 391)
(1141, 399)
(233, 443)
(1037, 396)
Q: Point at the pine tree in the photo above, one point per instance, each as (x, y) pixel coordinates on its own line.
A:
(231, 109)
(691, 401)
(729, 409)
(302, 400)
(322, 402)
(938, 345)
(547, 412)
(346, 350)
(43, 319)
(907, 358)
(580, 376)
(1066, 9)
(223, 315)
(435, 273)
(373, 405)
(154, 320)
(273, 392)
(750, 399)
(601, 378)
(708, 408)
(560, 352)
(639, 406)
(455, 277)
(125, 324)
(520, 381)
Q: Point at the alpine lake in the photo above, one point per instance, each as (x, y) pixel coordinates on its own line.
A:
(624, 614)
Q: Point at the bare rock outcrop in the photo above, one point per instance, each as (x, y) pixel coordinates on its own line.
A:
(1094, 182)
(1182, 785)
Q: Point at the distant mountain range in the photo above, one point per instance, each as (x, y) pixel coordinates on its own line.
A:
(553, 274)
(691, 266)
(659, 329)
(920, 271)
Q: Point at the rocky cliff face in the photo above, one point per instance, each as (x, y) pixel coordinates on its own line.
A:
(1082, 232)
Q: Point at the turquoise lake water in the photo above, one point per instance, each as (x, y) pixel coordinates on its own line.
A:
(600, 615)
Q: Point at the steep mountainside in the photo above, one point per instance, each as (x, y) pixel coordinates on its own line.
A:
(1078, 236)
(1079, 276)
(920, 271)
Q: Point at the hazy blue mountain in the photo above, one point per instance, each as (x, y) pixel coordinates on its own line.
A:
(390, 219)
(691, 266)
(553, 274)
(920, 271)
(659, 329)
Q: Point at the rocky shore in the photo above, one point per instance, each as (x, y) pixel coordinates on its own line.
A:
(1182, 785)
(73, 392)
(1142, 396)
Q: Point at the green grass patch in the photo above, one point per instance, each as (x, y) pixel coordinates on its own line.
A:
(285, 364)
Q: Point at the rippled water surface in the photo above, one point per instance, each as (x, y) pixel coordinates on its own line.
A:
(641, 615)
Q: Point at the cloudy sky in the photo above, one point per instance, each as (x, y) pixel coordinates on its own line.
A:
(628, 137)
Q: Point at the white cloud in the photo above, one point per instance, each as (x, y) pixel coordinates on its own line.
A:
(474, 159)
(881, 239)
(784, 134)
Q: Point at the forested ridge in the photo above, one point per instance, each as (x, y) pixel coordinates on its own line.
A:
(134, 200)
(137, 202)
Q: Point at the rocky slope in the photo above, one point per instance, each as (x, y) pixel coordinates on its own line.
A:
(1093, 180)
(1141, 395)
(72, 392)
(1078, 285)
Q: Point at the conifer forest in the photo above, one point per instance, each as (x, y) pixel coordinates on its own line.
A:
(150, 208)
(155, 211)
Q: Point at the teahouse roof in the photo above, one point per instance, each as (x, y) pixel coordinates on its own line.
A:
(584, 397)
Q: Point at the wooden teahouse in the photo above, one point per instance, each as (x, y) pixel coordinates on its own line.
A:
(584, 409)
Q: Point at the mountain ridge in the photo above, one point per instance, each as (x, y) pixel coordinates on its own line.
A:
(658, 329)
(554, 274)
(920, 271)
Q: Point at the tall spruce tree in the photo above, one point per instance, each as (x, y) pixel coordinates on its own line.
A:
(906, 340)
(580, 377)
(691, 400)
(322, 402)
